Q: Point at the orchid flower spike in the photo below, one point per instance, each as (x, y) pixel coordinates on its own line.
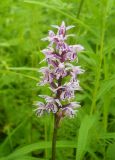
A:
(59, 56)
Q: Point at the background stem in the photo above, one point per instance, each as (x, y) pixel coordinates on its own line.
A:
(80, 7)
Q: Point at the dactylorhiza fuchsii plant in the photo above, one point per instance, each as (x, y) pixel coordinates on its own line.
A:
(59, 56)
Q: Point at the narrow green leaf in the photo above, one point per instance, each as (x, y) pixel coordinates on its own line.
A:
(3, 145)
(110, 154)
(105, 87)
(85, 127)
(108, 135)
(38, 146)
(23, 68)
(28, 158)
(19, 74)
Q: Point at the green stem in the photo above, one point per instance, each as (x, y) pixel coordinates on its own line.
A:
(10, 139)
(98, 71)
(56, 123)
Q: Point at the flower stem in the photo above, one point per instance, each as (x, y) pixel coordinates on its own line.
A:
(56, 123)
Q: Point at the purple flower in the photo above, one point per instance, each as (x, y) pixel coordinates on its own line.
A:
(67, 94)
(77, 48)
(49, 99)
(50, 37)
(48, 75)
(68, 90)
(62, 29)
(60, 71)
(48, 107)
(73, 50)
(51, 103)
(40, 108)
(74, 70)
(69, 110)
(59, 56)
(51, 107)
(48, 52)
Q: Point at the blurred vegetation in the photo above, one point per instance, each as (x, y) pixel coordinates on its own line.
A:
(90, 135)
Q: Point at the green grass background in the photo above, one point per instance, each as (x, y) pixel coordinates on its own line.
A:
(90, 135)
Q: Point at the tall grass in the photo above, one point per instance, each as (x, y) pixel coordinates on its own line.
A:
(90, 135)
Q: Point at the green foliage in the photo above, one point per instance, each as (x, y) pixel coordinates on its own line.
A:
(35, 146)
(91, 134)
(83, 137)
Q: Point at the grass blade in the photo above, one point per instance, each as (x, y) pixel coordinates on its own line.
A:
(38, 146)
(86, 125)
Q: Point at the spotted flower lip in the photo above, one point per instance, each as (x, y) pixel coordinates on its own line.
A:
(48, 75)
(69, 112)
(60, 71)
(50, 54)
(60, 74)
(68, 90)
(77, 48)
(51, 107)
(49, 99)
(40, 108)
(48, 107)
(74, 70)
(69, 109)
